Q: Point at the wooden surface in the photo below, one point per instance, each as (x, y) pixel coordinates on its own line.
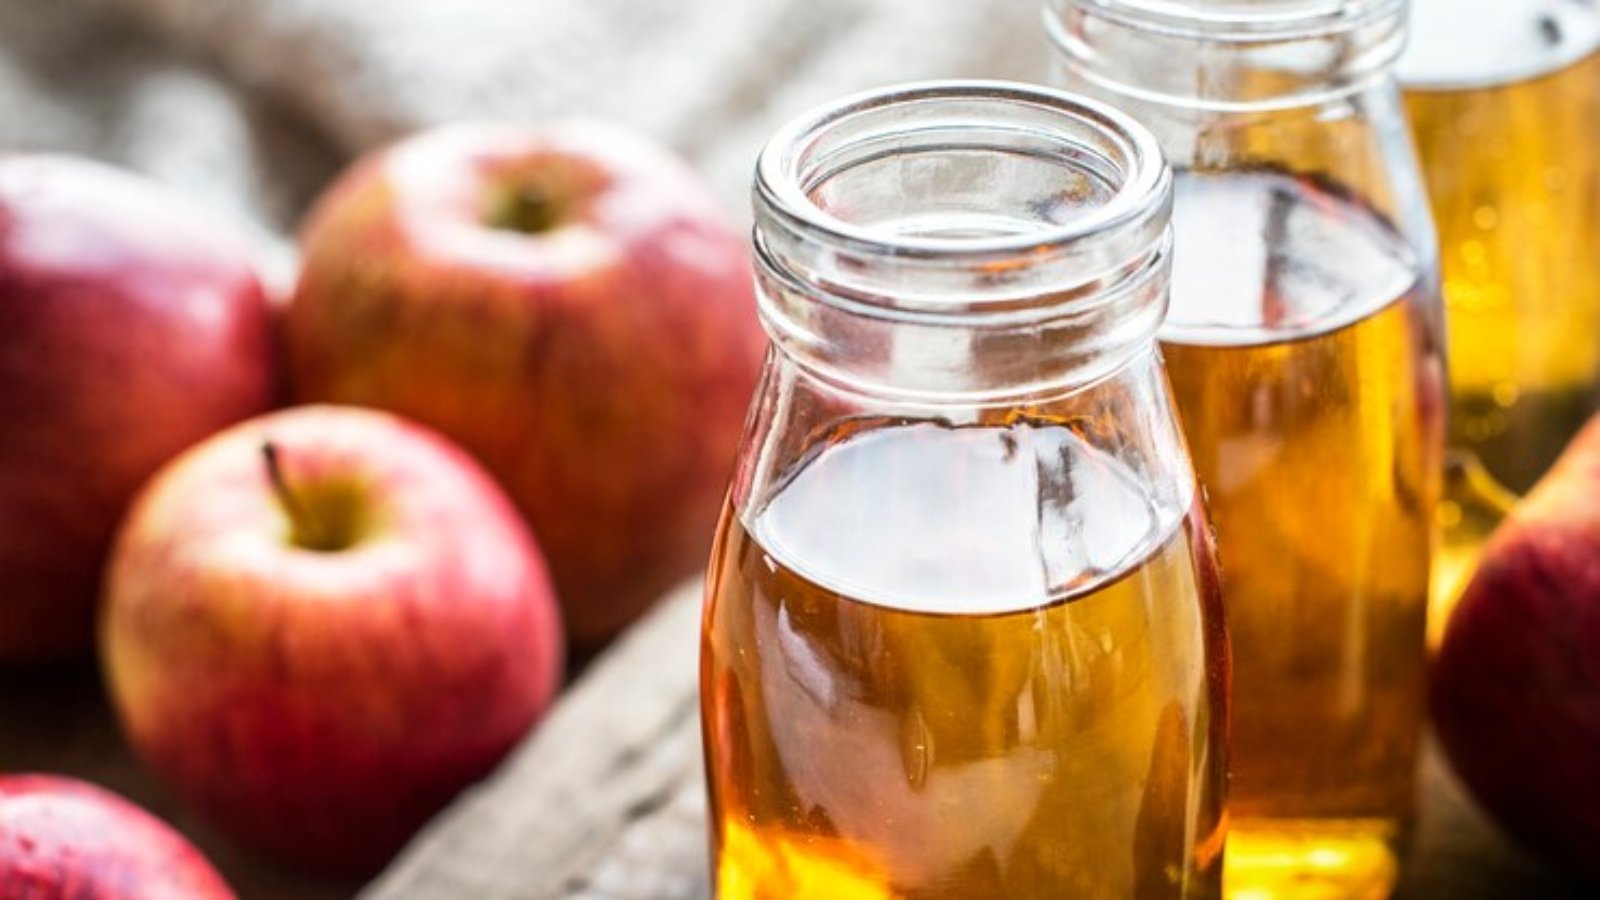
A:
(606, 799)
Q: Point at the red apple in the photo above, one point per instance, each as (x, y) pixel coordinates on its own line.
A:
(62, 839)
(569, 305)
(1516, 684)
(131, 326)
(320, 625)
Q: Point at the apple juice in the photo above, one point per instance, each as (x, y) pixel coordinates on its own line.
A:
(1514, 182)
(1307, 390)
(897, 706)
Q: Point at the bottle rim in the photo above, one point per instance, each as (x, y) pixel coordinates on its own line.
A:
(789, 168)
(904, 232)
(1240, 21)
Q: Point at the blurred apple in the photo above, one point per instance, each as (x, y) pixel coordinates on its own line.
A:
(62, 839)
(569, 305)
(131, 326)
(1516, 684)
(320, 625)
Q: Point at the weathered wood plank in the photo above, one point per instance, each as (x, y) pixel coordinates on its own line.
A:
(605, 802)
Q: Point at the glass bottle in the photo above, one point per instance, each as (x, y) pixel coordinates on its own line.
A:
(1303, 345)
(1504, 102)
(961, 636)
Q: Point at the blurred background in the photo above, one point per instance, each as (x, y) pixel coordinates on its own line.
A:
(255, 104)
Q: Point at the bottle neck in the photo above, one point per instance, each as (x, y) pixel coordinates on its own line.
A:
(1013, 345)
(1298, 87)
(962, 242)
(1228, 56)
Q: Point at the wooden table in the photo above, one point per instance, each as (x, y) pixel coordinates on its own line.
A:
(606, 799)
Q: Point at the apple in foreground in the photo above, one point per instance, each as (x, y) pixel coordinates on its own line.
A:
(1515, 688)
(131, 325)
(320, 625)
(63, 839)
(568, 304)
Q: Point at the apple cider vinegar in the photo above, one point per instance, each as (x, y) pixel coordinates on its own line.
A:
(1504, 105)
(1304, 346)
(962, 636)
(1303, 382)
(902, 706)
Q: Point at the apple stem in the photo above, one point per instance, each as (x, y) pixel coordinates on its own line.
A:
(308, 528)
(525, 208)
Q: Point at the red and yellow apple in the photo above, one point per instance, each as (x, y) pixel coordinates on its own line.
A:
(62, 839)
(131, 325)
(320, 625)
(1515, 688)
(569, 305)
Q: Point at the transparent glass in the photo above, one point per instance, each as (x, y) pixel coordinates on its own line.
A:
(962, 637)
(1505, 110)
(1303, 344)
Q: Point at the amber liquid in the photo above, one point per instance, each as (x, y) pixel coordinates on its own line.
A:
(973, 662)
(1304, 380)
(1513, 175)
(1514, 179)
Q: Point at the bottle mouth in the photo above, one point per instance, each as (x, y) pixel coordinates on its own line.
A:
(956, 195)
(1241, 20)
(962, 239)
(1227, 56)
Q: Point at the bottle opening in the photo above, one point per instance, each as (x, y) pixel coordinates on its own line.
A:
(1228, 55)
(1242, 20)
(894, 223)
(956, 191)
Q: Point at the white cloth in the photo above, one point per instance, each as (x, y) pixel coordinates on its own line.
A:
(253, 104)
